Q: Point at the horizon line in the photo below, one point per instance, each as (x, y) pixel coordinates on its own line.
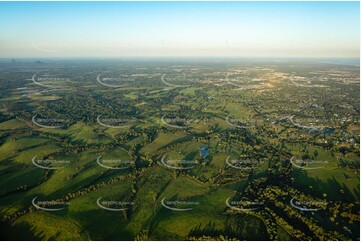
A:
(179, 57)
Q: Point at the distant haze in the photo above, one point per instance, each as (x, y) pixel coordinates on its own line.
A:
(234, 29)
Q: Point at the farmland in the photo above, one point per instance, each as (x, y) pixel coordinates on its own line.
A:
(179, 150)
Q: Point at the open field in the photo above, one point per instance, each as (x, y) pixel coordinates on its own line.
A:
(154, 160)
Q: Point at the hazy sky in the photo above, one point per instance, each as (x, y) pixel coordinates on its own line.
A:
(118, 29)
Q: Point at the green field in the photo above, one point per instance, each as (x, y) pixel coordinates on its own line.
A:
(229, 164)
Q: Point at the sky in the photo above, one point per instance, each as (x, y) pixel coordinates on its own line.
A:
(171, 29)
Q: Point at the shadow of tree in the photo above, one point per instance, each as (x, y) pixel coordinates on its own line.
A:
(334, 190)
